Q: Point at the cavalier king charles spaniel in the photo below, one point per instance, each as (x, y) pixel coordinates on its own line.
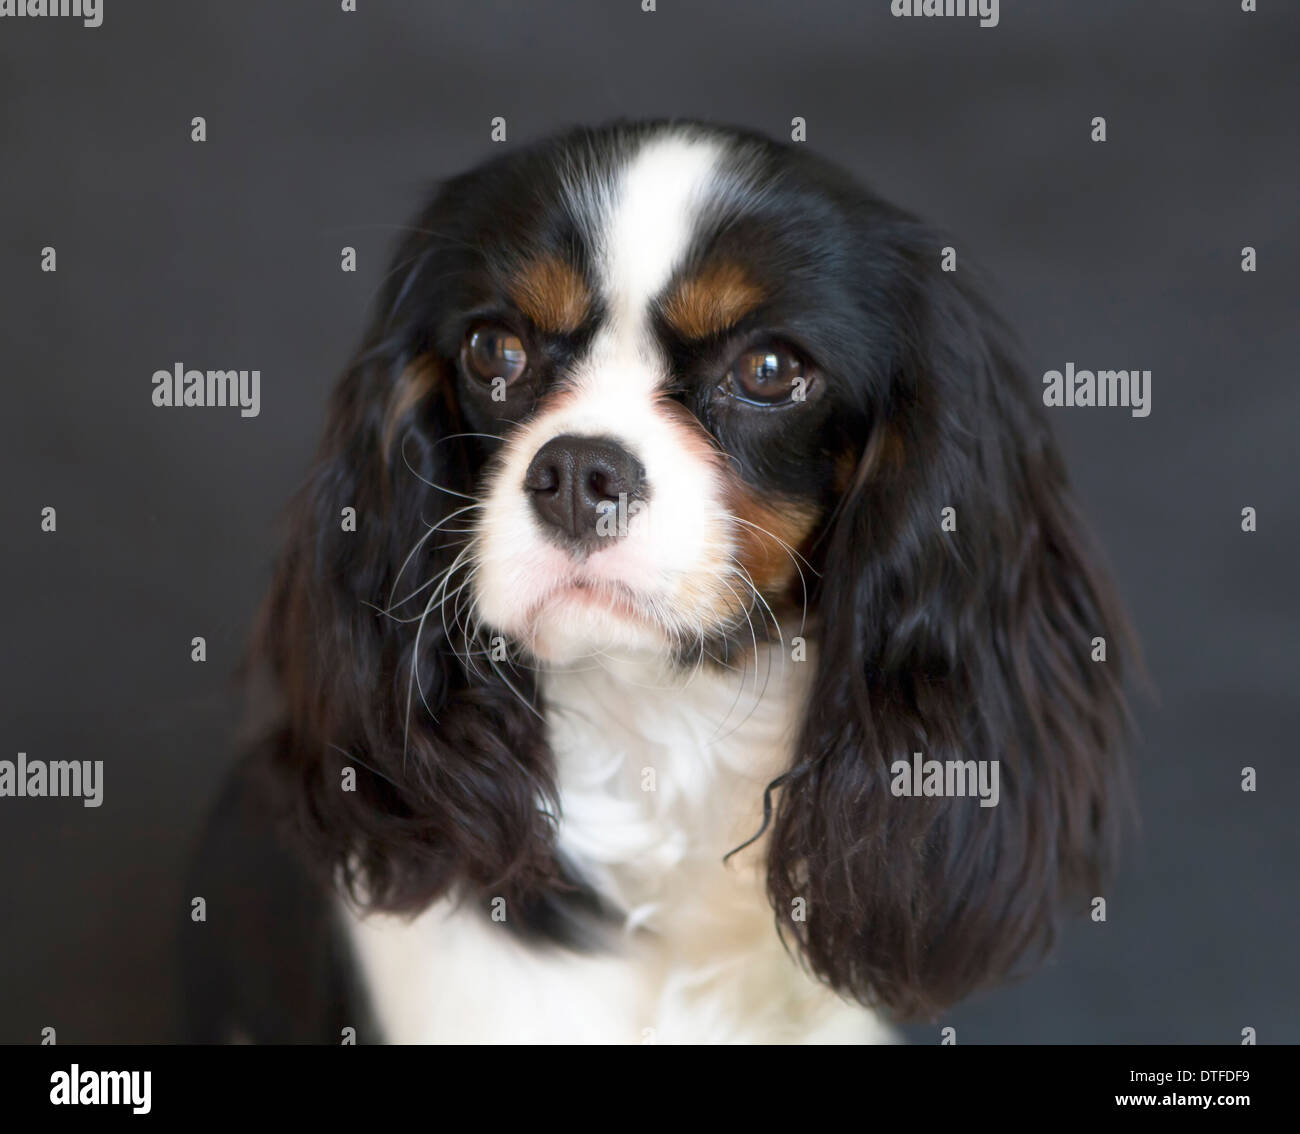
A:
(675, 500)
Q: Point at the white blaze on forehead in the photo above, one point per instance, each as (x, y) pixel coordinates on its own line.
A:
(647, 231)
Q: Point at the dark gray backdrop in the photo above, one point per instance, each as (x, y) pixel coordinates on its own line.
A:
(324, 129)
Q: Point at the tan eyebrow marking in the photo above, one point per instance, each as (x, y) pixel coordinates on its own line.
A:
(712, 301)
(552, 293)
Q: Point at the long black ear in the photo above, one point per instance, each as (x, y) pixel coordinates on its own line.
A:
(448, 775)
(966, 644)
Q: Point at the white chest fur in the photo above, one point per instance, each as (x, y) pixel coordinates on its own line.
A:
(660, 776)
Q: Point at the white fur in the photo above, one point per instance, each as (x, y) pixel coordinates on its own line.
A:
(700, 961)
(649, 224)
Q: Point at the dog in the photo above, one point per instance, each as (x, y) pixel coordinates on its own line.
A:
(675, 496)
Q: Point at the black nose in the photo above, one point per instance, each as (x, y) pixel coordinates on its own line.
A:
(581, 487)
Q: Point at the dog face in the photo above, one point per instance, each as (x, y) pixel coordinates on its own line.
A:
(672, 390)
(667, 345)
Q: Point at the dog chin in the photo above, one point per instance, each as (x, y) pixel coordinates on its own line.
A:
(571, 628)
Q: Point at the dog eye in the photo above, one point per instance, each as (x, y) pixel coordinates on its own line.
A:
(768, 375)
(492, 351)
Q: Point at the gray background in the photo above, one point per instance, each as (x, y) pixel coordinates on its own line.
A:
(325, 129)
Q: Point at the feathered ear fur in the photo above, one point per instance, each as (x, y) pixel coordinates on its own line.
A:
(972, 644)
(374, 671)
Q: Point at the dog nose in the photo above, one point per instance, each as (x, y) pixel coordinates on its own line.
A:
(573, 482)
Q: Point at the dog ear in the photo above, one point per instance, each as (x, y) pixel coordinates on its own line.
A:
(414, 760)
(957, 612)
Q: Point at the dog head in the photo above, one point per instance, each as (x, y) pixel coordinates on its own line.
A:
(674, 390)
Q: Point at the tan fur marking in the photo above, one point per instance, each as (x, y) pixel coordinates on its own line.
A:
(552, 294)
(710, 303)
(767, 557)
(885, 456)
(416, 382)
(846, 469)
